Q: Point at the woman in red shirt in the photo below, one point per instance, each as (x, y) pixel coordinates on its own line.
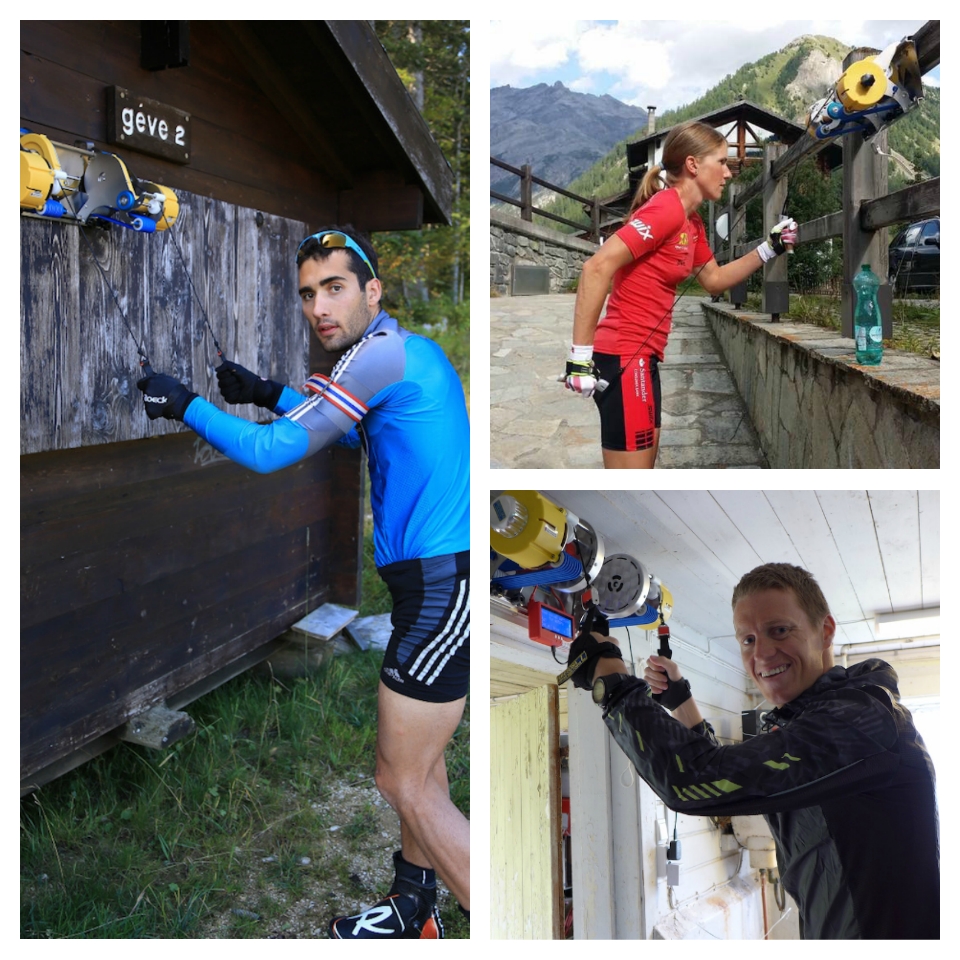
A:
(662, 241)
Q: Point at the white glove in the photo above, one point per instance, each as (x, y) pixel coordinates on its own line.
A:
(782, 237)
(581, 375)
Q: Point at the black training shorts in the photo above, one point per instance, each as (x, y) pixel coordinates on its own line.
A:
(428, 656)
(630, 406)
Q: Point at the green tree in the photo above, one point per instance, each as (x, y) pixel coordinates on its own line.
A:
(429, 268)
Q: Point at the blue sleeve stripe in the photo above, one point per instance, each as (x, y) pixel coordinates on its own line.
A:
(260, 447)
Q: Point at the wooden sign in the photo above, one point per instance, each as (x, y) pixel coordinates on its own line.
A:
(147, 126)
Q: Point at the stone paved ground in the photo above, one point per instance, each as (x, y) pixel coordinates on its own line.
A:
(535, 422)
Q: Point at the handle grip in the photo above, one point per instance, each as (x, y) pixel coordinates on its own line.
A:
(600, 387)
(663, 632)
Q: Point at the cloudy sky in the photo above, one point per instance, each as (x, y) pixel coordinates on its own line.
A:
(664, 63)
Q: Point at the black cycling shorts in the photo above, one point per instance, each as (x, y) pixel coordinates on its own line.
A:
(428, 656)
(630, 406)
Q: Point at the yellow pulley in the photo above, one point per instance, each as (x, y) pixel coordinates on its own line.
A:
(863, 85)
(527, 528)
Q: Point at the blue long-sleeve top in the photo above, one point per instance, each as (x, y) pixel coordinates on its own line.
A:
(395, 392)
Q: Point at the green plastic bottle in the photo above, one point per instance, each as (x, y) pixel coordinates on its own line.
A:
(867, 326)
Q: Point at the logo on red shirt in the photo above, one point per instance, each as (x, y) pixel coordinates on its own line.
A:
(642, 229)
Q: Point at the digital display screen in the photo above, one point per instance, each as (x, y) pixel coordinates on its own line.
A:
(557, 622)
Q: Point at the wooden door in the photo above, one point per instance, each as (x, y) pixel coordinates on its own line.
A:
(526, 888)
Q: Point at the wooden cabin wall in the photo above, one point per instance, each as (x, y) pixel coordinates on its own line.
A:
(150, 564)
(243, 149)
(148, 560)
(78, 360)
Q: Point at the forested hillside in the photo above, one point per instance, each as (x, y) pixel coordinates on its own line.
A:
(786, 82)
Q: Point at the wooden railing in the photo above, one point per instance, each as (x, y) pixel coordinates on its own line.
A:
(527, 209)
(867, 207)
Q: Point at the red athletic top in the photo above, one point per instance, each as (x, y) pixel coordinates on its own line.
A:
(667, 247)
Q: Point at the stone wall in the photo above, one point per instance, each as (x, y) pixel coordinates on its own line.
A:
(813, 406)
(513, 240)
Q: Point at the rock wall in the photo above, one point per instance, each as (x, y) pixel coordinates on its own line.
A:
(814, 407)
(514, 241)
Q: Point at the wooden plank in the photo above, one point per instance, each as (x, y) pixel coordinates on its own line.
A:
(500, 894)
(116, 562)
(913, 202)
(852, 528)
(629, 854)
(706, 520)
(42, 313)
(325, 622)
(897, 524)
(750, 512)
(803, 515)
(592, 841)
(929, 501)
(823, 228)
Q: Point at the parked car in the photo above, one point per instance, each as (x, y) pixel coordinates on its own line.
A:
(915, 257)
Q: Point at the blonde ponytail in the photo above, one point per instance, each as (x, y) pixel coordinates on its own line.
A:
(691, 139)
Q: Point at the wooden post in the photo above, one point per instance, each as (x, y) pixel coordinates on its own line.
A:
(595, 219)
(526, 194)
(864, 178)
(776, 290)
(737, 226)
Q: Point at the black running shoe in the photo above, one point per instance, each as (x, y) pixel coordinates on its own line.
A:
(398, 916)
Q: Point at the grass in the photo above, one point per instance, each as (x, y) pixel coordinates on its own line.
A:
(916, 323)
(233, 821)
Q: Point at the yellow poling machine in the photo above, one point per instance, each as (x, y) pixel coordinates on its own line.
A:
(550, 565)
(70, 183)
(870, 94)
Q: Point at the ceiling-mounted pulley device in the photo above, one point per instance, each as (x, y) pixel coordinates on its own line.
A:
(70, 183)
(538, 545)
(871, 94)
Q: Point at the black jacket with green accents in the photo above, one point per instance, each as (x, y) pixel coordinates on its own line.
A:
(844, 781)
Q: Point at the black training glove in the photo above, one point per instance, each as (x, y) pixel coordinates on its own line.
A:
(239, 385)
(591, 650)
(164, 396)
(676, 694)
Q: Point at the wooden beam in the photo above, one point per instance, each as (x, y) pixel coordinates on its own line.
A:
(865, 176)
(927, 40)
(822, 228)
(914, 202)
(365, 54)
(382, 208)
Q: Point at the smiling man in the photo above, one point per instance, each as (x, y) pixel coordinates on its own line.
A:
(841, 775)
(397, 394)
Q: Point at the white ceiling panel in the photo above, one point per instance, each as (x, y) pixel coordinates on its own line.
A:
(853, 530)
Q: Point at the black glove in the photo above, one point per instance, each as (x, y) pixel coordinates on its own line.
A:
(164, 396)
(590, 650)
(676, 694)
(239, 385)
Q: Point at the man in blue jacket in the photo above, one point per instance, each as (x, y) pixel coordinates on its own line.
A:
(841, 775)
(398, 395)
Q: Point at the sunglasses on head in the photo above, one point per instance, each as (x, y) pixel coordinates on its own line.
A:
(334, 239)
